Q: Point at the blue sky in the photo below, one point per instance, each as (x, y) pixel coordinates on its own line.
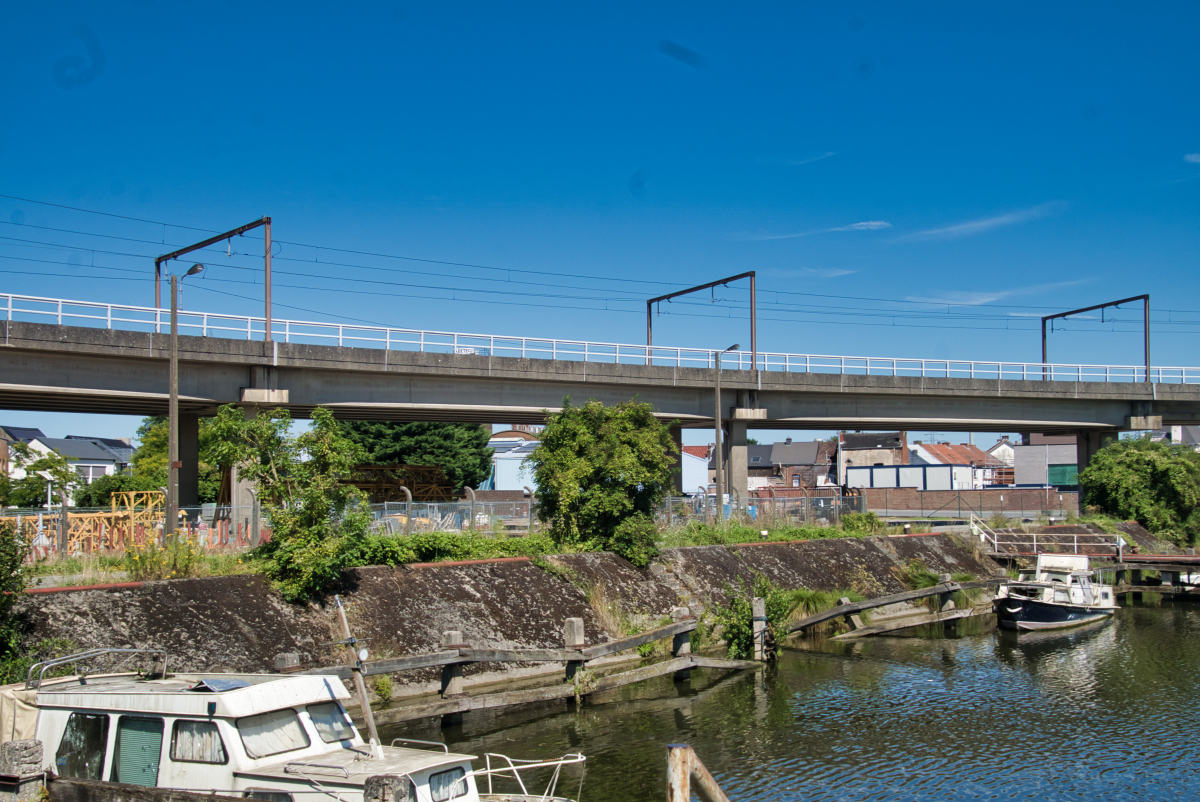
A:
(913, 183)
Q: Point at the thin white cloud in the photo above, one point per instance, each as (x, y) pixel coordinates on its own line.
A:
(956, 298)
(972, 227)
(798, 162)
(1192, 158)
(810, 272)
(866, 225)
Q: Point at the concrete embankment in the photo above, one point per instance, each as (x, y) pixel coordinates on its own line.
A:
(240, 624)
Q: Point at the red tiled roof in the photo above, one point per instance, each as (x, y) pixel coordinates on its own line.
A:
(696, 451)
(962, 454)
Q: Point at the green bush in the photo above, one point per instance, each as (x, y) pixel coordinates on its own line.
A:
(1155, 484)
(636, 539)
(863, 523)
(736, 617)
(13, 579)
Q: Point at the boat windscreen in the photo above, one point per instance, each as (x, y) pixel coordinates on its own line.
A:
(331, 722)
(271, 733)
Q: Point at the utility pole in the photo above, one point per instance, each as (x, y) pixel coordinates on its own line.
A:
(717, 426)
(173, 464)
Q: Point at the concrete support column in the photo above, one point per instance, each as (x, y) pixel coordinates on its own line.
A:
(677, 439)
(1087, 443)
(738, 461)
(189, 455)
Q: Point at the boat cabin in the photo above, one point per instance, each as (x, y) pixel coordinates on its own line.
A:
(277, 738)
(270, 737)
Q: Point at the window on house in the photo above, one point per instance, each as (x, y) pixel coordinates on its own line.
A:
(81, 750)
(89, 473)
(756, 459)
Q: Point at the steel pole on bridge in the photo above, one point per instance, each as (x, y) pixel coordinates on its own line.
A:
(718, 283)
(1145, 299)
(236, 232)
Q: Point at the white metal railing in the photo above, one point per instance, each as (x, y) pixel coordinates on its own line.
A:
(33, 309)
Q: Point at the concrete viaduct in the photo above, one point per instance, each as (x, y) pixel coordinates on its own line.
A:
(81, 369)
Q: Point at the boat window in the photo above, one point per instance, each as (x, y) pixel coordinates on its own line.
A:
(268, 796)
(331, 722)
(197, 742)
(271, 733)
(138, 751)
(81, 750)
(448, 784)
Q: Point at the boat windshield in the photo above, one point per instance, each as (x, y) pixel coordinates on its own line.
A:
(271, 733)
(331, 722)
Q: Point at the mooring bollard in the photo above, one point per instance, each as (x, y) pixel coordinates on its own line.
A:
(573, 640)
(681, 643)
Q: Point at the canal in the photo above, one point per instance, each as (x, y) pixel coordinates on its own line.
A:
(1105, 712)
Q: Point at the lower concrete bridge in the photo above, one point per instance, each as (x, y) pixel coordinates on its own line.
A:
(99, 367)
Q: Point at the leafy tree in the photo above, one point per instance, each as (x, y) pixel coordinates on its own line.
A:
(99, 493)
(30, 490)
(150, 459)
(318, 524)
(459, 449)
(1156, 484)
(597, 467)
(13, 578)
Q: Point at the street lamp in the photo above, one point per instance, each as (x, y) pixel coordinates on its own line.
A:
(717, 428)
(173, 465)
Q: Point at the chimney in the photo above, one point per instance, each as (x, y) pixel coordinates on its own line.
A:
(787, 442)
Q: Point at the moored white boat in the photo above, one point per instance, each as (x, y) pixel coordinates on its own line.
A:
(1058, 594)
(270, 737)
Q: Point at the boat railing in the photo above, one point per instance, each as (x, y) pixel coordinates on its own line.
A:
(297, 767)
(438, 744)
(46, 665)
(512, 768)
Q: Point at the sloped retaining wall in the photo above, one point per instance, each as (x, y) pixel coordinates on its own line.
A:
(239, 624)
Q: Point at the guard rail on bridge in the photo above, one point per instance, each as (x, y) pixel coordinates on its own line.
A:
(33, 309)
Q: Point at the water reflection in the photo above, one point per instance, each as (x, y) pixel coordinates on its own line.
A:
(1098, 711)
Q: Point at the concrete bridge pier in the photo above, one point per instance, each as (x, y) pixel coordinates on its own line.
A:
(189, 456)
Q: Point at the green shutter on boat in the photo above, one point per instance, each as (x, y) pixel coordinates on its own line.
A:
(139, 749)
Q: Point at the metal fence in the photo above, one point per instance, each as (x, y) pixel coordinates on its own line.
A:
(87, 531)
(500, 518)
(767, 513)
(29, 308)
(963, 503)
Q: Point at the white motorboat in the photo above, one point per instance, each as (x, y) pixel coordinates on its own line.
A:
(1059, 593)
(270, 737)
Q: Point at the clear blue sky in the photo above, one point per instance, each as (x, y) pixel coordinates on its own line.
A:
(907, 182)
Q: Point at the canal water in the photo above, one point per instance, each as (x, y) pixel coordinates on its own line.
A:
(1108, 712)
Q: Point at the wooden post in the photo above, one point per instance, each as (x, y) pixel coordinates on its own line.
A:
(452, 678)
(758, 609)
(681, 644)
(853, 619)
(683, 769)
(359, 686)
(945, 600)
(573, 640)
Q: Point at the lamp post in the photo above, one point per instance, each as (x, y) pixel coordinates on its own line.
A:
(717, 429)
(173, 464)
